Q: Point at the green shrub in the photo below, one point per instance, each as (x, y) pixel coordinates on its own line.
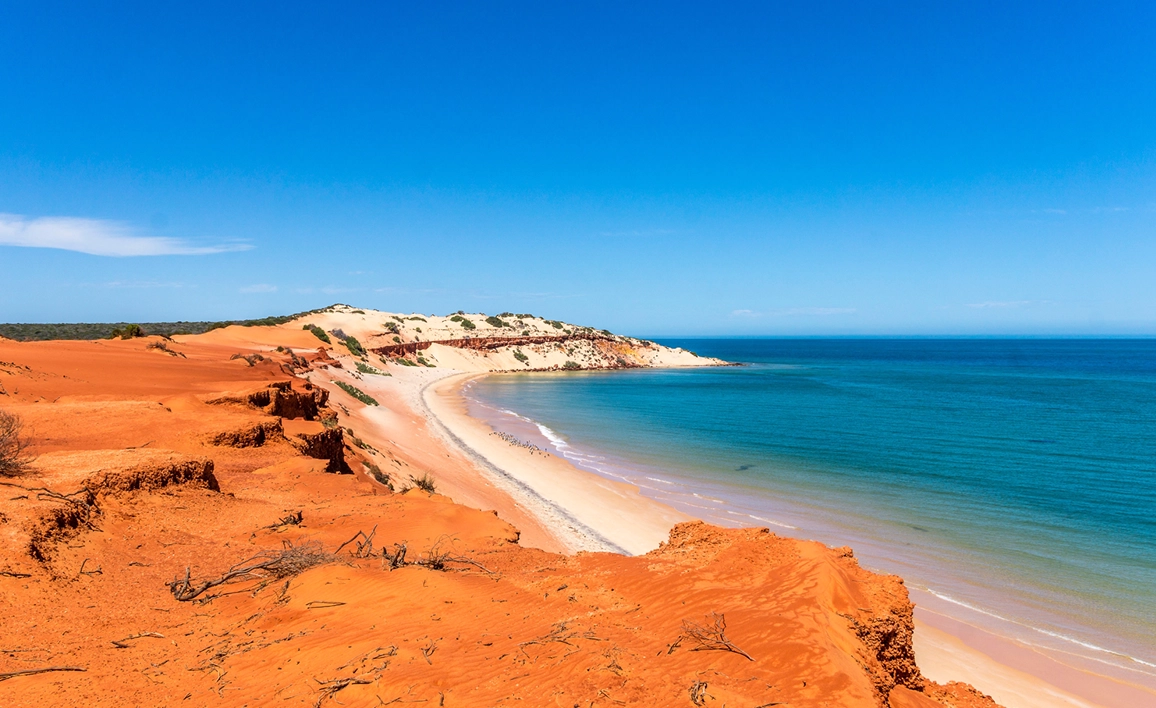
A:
(359, 312)
(392, 328)
(524, 317)
(318, 332)
(417, 318)
(357, 393)
(397, 339)
(465, 323)
(354, 346)
(367, 369)
(520, 356)
(571, 366)
(425, 483)
(555, 323)
(525, 333)
(496, 322)
(422, 360)
(128, 332)
(376, 473)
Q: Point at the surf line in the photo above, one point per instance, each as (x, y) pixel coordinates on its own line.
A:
(516, 487)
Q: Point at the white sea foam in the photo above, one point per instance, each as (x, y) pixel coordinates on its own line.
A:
(1041, 630)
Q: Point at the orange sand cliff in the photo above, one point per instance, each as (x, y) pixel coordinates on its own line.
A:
(151, 464)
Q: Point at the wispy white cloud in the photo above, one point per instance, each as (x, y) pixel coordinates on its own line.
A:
(97, 237)
(796, 311)
(259, 288)
(1004, 304)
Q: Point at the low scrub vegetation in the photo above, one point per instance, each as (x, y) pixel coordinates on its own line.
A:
(104, 330)
(353, 346)
(318, 332)
(364, 368)
(496, 322)
(357, 393)
(424, 483)
(465, 323)
(127, 332)
(571, 366)
(520, 356)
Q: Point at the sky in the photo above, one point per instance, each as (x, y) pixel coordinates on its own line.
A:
(668, 168)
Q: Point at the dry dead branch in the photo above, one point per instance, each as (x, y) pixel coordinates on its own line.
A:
(44, 670)
(428, 650)
(121, 643)
(711, 637)
(698, 693)
(14, 445)
(290, 561)
(364, 548)
(332, 686)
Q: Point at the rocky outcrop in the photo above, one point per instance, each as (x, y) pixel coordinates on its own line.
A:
(250, 436)
(280, 399)
(326, 445)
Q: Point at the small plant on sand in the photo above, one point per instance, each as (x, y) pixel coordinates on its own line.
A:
(571, 366)
(357, 393)
(354, 346)
(520, 356)
(318, 332)
(392, 328)
(375, 472)
(424, 483)
(465, 323)
(13, 445)
(424, 362)
(554, 323)
(128, 332)
(496, 322)
(364, 368)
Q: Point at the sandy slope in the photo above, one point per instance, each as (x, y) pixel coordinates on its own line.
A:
(152, 462)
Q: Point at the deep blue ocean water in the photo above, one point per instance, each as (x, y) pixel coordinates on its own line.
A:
(1016, 477)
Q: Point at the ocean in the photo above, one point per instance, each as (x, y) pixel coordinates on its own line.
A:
(1014, 480)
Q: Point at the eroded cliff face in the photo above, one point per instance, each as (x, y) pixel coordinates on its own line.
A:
(176, 547)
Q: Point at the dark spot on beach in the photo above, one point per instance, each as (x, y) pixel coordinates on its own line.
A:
(918, 528)
(740, 468)
(1044, 442)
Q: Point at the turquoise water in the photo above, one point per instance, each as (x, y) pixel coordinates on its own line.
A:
(1013, 479)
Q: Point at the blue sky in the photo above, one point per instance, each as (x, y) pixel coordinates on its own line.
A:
(664, 168)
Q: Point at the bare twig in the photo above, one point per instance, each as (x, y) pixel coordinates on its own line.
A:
(120, 643)
(332, 686)
(698, 693)
(428, 650)
(711, 637)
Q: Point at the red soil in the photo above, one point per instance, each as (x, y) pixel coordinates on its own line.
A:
(165, 467)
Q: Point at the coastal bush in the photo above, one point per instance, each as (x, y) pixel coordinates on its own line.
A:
(318, 332)
(128, 332)
(376, 473)
(392, 328)
(354, 346)
(555, 324)
(425, 483)
(357, 393)
(404, 362)
(397, 339)
(13, 445)
(367, 369)
(359, 312)
(526, 316)
(418, 318)
(571, 366)
(520, 356)
(496, 322)
(465, 323)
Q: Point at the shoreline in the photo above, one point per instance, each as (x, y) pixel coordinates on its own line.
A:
(598, 514)
(1017, 675)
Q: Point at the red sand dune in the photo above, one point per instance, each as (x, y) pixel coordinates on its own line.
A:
(151, 462)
